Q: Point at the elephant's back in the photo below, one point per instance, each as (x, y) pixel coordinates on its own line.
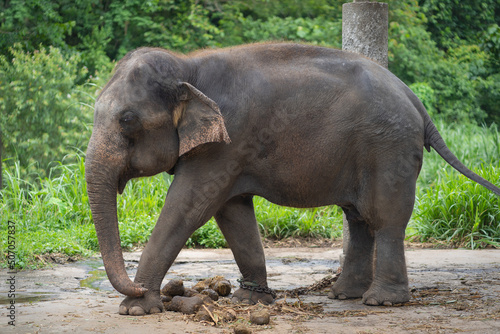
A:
(308, 88)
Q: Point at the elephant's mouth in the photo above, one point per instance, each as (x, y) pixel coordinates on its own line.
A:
(122, 182)
(124, 178)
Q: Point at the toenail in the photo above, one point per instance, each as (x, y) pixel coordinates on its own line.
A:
(154, 310)
(123, 310)
(136, 310)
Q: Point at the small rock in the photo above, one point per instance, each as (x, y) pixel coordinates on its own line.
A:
(260, 317)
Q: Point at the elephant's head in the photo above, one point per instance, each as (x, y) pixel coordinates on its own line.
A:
(145, 118)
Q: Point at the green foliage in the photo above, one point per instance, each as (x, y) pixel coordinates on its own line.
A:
(315, 22)
(454, 20)
(463, 75)
(426, 95)
(33, 23)
(412, 52)
(263, 9)
(41, 121)
(209, 236)
(320, 31)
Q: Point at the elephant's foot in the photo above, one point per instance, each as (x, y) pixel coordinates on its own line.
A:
(348, 288)
(250, 297)
(387, 296)
(148, 304)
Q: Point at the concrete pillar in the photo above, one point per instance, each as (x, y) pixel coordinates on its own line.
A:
(365, 27)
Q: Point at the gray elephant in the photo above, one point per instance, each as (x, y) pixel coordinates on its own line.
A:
(299, 125)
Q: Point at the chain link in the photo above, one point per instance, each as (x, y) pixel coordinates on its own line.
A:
(253, 286)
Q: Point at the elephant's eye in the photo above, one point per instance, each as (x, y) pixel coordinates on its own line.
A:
(129, 123)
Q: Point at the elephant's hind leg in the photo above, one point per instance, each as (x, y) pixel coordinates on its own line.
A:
(357, 272)
(391, 211)
(237, 222)
(390, 283)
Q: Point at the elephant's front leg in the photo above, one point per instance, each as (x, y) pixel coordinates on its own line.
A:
(183, 212)
(237, 222)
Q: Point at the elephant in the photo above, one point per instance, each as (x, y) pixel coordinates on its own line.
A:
(300, 125)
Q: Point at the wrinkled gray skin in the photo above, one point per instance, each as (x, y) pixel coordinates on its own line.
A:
(301, 126)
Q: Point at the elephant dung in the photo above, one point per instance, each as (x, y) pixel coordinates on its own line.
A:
(207, 300)
(201, 285)
(211, 293)
(186, 305)
(218, 283)
(166, 299)
(260, 317)
(242, 330)
(188, 292)
(173, 288)
(222, 287)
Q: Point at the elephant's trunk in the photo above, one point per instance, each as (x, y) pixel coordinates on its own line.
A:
(102, 185)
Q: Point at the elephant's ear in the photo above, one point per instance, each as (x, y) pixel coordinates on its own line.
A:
(198, 120)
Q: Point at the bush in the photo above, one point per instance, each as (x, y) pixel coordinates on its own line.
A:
(42, 118)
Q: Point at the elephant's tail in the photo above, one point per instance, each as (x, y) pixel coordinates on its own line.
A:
(433, 139)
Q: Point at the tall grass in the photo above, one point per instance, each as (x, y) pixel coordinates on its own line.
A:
(52, 215)
(459, 211)
(451, 208)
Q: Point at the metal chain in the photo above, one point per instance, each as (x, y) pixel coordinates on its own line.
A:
(253, 286)
(324, 283)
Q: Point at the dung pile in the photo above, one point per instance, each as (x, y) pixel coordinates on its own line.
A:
(199, 300)
(207, 302)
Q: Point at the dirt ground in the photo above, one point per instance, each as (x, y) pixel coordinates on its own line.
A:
(453, 291)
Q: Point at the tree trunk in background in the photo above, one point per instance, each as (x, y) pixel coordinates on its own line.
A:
(365, 31)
